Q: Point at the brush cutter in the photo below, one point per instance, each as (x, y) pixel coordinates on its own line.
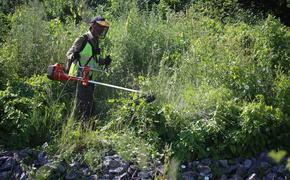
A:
(56, 72)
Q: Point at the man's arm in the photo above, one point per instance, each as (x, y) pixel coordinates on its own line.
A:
(73, 53)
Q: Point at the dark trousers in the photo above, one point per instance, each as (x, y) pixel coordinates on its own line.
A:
(85, 101)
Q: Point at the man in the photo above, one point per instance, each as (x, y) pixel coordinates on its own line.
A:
(85, 51)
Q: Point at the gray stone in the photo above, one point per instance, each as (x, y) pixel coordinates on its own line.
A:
(279, 169)
(203, 170)
(8, 164)
(5, 175)
(71, 175)
(41, 158)
(232, 169)
(252, 177)
(112, 163)
(61, 167)
(264, 165)
(206, 162)
(224, 177)
(17, 171)
(117, 171)
(223, 163)
(86, 171)
(125, 165)
(122, 177)
(247, 163)
(23, 176)
(271, 176)
(264, 156)
(195, 163)
(236, 177)
(160, 170)
(280, 178)
(189, 175)
(241, 171)
(107, 176)
(44, 145)
(132, 169)
(3, 159)
(93, 177)
(75, 165)
(143, 175)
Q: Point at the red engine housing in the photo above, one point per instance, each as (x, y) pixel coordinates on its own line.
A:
(56, 72)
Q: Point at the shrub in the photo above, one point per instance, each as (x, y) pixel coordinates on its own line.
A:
(30, 113)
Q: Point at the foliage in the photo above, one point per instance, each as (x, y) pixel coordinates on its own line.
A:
(30, 111)
(220, 75)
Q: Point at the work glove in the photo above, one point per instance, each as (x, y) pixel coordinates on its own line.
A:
(108, 60)
(105, 61)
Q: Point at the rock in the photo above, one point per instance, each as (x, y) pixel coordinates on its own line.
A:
(111, 163)
(195, 163)
(232, 169)
(224, 177)
(122, 177)
(125, 165)
(41, 158)
(183, 166)
(280, 178)
(5, 175)
(3, 159)
(206, 162)
(223, 163)
(203, 170)
(107, 176)
(206, 178)
(8, 164)
(143, 175)
(117, 171)
(271, 176)
(264, 165)
(189, 175)
(239, 160)
(23, 176)
(17, 171)
(160, 170)
(86, 171)
(247, 164)
(61, 167)
(241, 171)
(236, 177)
(44, 145)
(71, 175)
(132, 171)
(252, 177)
(264, 156)
(75, 165)
(93, 177)
(279, 169)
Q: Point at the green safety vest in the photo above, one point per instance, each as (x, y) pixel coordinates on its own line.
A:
(85, 55)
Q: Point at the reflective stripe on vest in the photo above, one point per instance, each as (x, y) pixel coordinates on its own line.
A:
(85, 54)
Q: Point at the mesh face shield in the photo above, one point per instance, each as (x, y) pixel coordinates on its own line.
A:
(103, 32)
(103, 26)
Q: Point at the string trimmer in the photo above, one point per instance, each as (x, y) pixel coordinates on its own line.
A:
(56, 72)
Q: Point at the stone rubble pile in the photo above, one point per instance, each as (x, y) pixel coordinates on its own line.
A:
(257, 168)
(18, 165)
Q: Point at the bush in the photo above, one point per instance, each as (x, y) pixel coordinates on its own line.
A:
(30, 112)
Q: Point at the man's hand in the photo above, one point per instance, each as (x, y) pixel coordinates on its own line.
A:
(108, 60)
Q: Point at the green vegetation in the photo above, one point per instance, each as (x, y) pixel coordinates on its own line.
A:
(220, 74)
